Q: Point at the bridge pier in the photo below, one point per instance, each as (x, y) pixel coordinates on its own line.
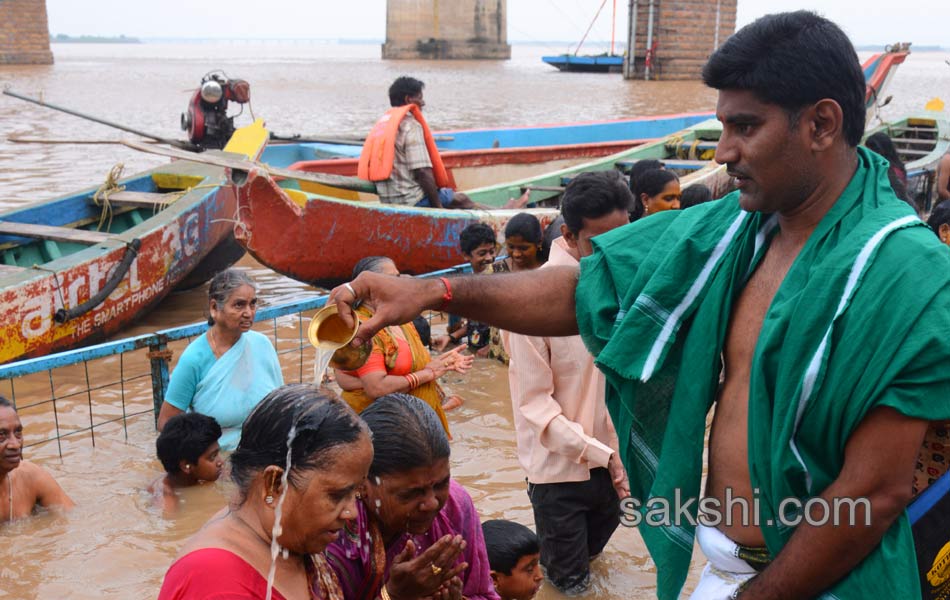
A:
(24, 33)
(446, 29)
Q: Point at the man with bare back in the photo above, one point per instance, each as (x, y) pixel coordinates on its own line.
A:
(23, 485)
(809, 310)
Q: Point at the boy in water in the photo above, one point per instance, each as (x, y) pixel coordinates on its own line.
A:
(189, 451)
(514, 558)
(478, 245)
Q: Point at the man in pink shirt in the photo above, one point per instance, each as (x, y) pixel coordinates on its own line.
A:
(566, 442)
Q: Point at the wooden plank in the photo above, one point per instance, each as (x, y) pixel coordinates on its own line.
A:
(58, 234)
(141, 199)
(542, 188)
(220, 160)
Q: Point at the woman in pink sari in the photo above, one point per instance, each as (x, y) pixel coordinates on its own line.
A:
(417, 533)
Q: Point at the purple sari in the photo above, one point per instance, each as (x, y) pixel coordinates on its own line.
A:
(351, 556)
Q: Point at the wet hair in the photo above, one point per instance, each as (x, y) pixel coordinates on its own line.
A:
(185, 437)
(506, 542)
(407, 433)
(594, 195)
(882, 144)
(474, 236)
(373, 264)
(6, 403)
(793, 60)
(402, 87)
(652, 182)
(223, 285)
(694, 194)
(525, 225)
(423, 329)
(322, 423)
(940, 215)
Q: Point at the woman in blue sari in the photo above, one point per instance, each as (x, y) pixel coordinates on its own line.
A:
(228, 370)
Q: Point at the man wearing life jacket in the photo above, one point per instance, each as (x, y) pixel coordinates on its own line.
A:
(400, 154)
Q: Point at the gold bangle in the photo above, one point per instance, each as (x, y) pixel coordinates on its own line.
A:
(384, 594)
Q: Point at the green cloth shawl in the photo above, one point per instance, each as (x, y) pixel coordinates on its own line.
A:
(861, 320)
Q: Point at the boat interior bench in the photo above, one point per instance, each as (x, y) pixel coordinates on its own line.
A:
(57, 234)
(141, 199)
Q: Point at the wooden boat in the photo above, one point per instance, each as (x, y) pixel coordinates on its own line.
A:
(586, 63)
(921, 140)
(75, 270)
(596, 138)
(603, 137)
(317, 239)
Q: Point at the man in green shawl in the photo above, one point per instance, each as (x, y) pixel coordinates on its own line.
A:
(810, 310)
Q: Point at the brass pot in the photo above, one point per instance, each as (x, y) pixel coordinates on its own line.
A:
(328, 331)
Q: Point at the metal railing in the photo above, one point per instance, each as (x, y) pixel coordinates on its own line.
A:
(100, 390)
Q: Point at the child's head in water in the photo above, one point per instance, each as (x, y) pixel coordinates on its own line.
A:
(188, 448)
(524, 242)
(478, 245)
(514, 556)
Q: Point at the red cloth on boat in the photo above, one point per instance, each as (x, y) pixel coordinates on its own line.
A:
(214, 574)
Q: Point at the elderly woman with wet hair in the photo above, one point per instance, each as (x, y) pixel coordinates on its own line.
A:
(297, 469)
(225, 372)
(416, 533)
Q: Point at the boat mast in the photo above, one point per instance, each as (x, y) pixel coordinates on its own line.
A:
(613, 28)
(602, 4)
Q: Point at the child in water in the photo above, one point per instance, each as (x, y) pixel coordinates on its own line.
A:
(514, 556)
(524, 243)
(478, 246)
(189, 452)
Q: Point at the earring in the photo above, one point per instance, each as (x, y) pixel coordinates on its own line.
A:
(269, 499)
(359, 496)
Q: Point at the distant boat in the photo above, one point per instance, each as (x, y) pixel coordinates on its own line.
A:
(604, 63)
(608, 62)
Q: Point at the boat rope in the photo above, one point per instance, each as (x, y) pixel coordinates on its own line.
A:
(101, 197)
(581, 43)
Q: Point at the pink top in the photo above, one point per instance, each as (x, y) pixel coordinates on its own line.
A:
(561, 422)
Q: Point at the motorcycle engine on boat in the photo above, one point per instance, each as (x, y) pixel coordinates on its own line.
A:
(206, 120)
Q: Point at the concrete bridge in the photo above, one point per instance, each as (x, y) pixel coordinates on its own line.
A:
(440, 29)
(24, 33)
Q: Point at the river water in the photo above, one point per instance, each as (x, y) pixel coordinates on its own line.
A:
(114, 545)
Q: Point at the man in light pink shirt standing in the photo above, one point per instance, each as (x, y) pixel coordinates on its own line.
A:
(566, 441)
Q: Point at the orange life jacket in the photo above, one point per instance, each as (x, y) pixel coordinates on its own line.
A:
(379, 149)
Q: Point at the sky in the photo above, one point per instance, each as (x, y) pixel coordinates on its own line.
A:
(867, 22)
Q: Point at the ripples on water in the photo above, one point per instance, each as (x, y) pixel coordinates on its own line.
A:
(114, 544)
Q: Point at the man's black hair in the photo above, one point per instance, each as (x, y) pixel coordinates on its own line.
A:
(6, 403)
(695, 194)
(506, 542)
(593, 195)
(185, 437)
(474, 236)
(793, 60)
(402, 87)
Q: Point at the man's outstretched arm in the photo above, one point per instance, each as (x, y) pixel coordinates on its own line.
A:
(539, 302)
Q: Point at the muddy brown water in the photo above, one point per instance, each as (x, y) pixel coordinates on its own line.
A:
(115, 544)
